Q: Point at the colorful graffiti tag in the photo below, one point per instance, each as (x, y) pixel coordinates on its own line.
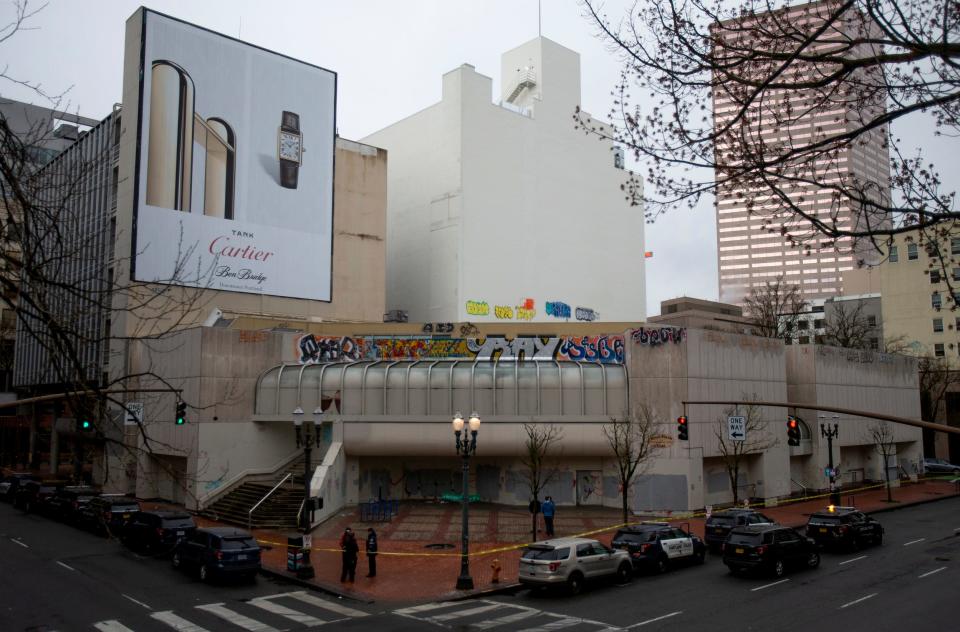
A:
(602, 349)
(658, 336)
(478, 308)
(558, 309)
(585, 313)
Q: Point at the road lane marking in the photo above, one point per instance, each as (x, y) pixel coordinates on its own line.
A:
(526, 613)
(177, 623)
(913, 542)
(69, 568)
(862, 557)
(936, 570)
(563, 622)
(26, 546)
(236, 618)
(856, 601)
(768, 585)
(139, 603)
(111, 626)
(420, 608)
(266, 604)
(462, 613)
(666, 616)
(326, 605)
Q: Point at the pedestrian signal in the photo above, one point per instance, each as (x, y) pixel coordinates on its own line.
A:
(793, 431)
(682, 429)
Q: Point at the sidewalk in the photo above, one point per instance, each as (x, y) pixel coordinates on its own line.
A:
(419, 556)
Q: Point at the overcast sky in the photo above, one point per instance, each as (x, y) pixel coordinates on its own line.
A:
(389, 56)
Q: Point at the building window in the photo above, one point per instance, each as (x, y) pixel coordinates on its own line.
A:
(955, 246)
(934, 276)
(788, 341)
(804, 340)
(874, 343)
(935, 300)
(937, 325)
(818, 339)
(938, 350)
(818, 324)
(894, 255)
(817, 309)
(912, 252)
(803, 325)
(872, 320)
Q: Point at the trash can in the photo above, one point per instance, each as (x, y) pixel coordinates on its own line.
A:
(298, 555)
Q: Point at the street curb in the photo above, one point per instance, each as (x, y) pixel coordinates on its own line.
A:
(506, 589)
(898, 506)
(269, 572)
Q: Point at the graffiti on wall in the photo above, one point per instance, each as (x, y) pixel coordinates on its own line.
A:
(604, 349)
(478, 308)
(558, 309)
(654, 336)
(587, 314)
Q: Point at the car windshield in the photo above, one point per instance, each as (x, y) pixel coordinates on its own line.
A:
(125, 508)
(232, 544)
(746, 538)
(722, 520)
(549, 555)
(633, 538)
(178, 523)
(824, 520)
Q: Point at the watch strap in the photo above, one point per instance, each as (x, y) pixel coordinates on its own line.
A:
(290, 121)
(288, 174)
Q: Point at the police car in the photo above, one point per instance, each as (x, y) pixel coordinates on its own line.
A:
(844, 527)
(658, 545)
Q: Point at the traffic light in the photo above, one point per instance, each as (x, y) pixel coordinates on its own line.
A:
(181, 417)
(793, 430)
(682, 429)
(86, 424)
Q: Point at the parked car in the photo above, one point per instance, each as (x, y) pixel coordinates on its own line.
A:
(219, 552)
(768, 547)
(570, 562)
(67, 502)
(939, 466)
(844, 527)
(718, 525)
(107, 514)
(657, 545)
(34, 495)
(157, 531)
(10, 483)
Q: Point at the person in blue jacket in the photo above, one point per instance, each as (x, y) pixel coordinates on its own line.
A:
(548, 509)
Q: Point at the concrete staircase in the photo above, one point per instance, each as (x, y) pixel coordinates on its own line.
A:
(279, 511)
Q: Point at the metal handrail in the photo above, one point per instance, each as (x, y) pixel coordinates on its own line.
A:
(800, 485)
(300, 513)
(267, 495)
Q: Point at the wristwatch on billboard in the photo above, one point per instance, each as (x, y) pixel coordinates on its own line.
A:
(290, 149)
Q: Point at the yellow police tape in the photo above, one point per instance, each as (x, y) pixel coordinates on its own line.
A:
(514, 547)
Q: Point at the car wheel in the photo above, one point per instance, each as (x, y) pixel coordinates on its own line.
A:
(854, 544)
(701, 557)
(624, 573)
(878, 540)
(575, 583)
(734, 570)
(779, 568)
(662, 565)
(204, 573)
(177, 562)
(813, 560)
(252, 577)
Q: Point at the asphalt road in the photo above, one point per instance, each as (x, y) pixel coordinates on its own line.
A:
(54, 577)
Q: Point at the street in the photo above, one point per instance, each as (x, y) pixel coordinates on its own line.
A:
(59, 578)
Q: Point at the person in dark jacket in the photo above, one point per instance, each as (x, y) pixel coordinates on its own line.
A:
(349, 550)
(372, 551)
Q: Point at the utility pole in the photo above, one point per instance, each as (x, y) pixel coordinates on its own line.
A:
(830, 434)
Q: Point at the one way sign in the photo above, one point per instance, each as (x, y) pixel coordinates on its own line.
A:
(737, 428)
(133, 414)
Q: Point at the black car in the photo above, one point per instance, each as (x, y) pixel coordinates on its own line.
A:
(157, 531)
(34, 495)
(719, 524)
(844, 527)
(658, 545)
(12, 482)
(67, 502)
(107, 514)
(768, 547)
(219, 552)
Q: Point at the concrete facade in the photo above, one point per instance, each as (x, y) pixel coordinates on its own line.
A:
(485, 199)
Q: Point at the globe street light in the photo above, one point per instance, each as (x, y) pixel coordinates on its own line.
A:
(465, 447)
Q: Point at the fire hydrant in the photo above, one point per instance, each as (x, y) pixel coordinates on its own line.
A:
(496, 568)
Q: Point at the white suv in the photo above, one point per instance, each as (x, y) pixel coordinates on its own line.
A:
(571, 561)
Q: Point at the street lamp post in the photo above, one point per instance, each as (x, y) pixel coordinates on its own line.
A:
(305, 568)
(831, 434)
(465, 447)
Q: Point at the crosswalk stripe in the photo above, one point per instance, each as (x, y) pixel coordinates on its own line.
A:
(463, 613)
(268, 605)
(111, 626)
(326, 605)
(424, 607)
(565, 622)
(510, 618)
(236, 618)
(176, 622)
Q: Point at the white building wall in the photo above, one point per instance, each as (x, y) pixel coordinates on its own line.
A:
(492, 205)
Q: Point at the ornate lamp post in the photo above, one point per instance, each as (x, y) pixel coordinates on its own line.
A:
(305, 569)
(465, 447)
(831, 434)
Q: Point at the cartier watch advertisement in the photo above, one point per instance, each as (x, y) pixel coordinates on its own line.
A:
(234, 165)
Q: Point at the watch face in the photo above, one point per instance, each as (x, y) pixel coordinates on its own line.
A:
(289, 146)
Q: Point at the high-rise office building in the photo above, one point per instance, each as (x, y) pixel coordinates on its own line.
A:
(759, 236)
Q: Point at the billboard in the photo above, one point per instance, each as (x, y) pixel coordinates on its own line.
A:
(234, 173)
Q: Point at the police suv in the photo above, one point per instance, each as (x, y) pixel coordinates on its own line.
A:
(658, 545)
(844, 527)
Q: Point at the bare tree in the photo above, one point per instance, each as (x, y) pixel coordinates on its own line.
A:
(629, 440)
(847, 326)
(861, 64)
(774, 308)
(539, 442)
(755, 441)
(882, 437)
